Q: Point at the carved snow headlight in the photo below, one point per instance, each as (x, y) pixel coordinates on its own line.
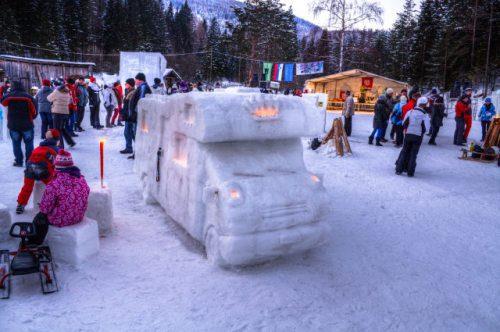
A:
(234, 194)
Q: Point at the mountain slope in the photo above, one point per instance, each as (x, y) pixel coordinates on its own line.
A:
(222, 10)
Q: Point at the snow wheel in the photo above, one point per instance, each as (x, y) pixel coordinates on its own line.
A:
(212, 247)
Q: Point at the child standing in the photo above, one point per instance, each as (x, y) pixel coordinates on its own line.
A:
(486, 114)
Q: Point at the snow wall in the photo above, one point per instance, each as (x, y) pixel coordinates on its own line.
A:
(151, 64)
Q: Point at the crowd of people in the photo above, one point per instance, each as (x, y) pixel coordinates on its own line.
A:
(412, 115)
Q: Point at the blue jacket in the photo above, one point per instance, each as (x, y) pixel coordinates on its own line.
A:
(487, 113)
(44, 105)
(83, 95)
(397, 115)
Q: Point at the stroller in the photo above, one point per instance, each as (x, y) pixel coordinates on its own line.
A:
(30, 257)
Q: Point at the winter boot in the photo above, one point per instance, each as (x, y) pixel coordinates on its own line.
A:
(20, 209)
(370, 140)
(378, 142)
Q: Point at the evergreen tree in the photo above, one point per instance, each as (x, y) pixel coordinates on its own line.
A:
(324, 52)
(183, 29)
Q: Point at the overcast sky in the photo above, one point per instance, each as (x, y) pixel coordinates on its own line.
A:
(302, 9)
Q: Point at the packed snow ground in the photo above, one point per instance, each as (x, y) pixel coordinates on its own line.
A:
(404, 254)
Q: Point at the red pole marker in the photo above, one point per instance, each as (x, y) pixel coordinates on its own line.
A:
(101, 155)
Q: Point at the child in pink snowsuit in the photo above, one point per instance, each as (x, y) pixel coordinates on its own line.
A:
(66, 196)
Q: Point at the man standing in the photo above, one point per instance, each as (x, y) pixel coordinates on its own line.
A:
(348, 113)
(468, 114)
(380, 119)
(83, 99)
(95, 103)
(21, 110)
(390, 105)
(44, 106)
(73, 106)
(142, 90)
(128, 116)
(416, 123)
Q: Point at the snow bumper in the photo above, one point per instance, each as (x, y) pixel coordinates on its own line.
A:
(263, 246)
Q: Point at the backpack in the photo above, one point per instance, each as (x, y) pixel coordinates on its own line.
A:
(315, 144)
(37, 171)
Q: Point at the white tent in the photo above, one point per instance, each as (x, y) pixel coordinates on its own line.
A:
(151, 64)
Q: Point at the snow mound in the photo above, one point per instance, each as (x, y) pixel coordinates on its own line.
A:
(100, 208)
(74, 244)
(5, 223)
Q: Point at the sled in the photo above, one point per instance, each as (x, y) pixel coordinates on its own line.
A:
(483, 157)
(28, 259)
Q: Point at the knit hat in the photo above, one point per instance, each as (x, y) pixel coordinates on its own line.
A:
(45, 82)
(140, 77)
(157, 80)
(52, 133)
(389, 91)
(422, 101)
(487, 100)
(63, 159)
(92, 79)
(130, 81)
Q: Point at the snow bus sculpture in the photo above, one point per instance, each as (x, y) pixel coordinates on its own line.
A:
(229, 169)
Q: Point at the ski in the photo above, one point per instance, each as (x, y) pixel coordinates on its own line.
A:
(48, 280)
(4, 274)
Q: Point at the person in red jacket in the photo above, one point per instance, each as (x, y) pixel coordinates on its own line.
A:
(40, 166)
(118, 90)
(468, 114)
(461, 108)
(73, 106)
(411, 103)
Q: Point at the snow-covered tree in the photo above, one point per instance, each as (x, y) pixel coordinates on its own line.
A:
(345, 15)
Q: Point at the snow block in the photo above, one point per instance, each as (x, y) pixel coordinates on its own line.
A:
(100, 208)
(74, 244)
(37, 194)
(5, 223)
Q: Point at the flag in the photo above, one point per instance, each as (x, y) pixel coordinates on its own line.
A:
(266, 70)
(309, 68)
(367, 82)
(288, 74)
(275, 72)
(280, 71)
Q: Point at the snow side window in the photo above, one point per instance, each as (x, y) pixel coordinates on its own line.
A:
(180, 150)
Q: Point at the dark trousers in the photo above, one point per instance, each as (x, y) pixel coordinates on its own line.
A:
(70, 124)
(80, 113)
(46, 122)
(458, 138)
(129, 133)
(94, 115)
(376, 133)
(348, 125)
(485, 126)
(60, 121)
(19, 136)
(407, 161)
(109, 113)
(434, 133)
(398, 130)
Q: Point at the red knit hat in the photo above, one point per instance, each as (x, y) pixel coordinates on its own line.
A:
(92, 79)
(53, 133)
(63, 159)
(45, 82)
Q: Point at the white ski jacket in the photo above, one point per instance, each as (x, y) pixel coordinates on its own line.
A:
(416, 122)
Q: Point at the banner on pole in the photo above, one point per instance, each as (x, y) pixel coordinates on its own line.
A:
(288, 73)
(309, 68)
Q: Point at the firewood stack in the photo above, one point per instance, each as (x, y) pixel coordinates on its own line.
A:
(337, 134)
(493, 135)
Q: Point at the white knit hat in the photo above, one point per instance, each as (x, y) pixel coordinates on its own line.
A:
(422, 101)
(389, 91)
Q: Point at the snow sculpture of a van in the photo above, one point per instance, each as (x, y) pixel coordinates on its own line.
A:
(229, 169)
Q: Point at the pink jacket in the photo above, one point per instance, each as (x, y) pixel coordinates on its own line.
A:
(65, 198)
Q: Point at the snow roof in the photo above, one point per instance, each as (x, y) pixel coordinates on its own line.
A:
(46, 61)
(348, 74)
(169, 71)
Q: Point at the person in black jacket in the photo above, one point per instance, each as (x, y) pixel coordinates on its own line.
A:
(438, 113)
(380, 118)
(21, 111)
(94, 103)
(129, 115)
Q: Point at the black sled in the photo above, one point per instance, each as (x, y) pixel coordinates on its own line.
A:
(29, 258)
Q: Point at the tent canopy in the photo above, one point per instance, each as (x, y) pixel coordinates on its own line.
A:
(349, 74)
(170, 72)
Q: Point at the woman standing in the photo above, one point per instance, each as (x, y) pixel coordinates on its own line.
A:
(44, 106)
(61, 99)
(486, 115)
